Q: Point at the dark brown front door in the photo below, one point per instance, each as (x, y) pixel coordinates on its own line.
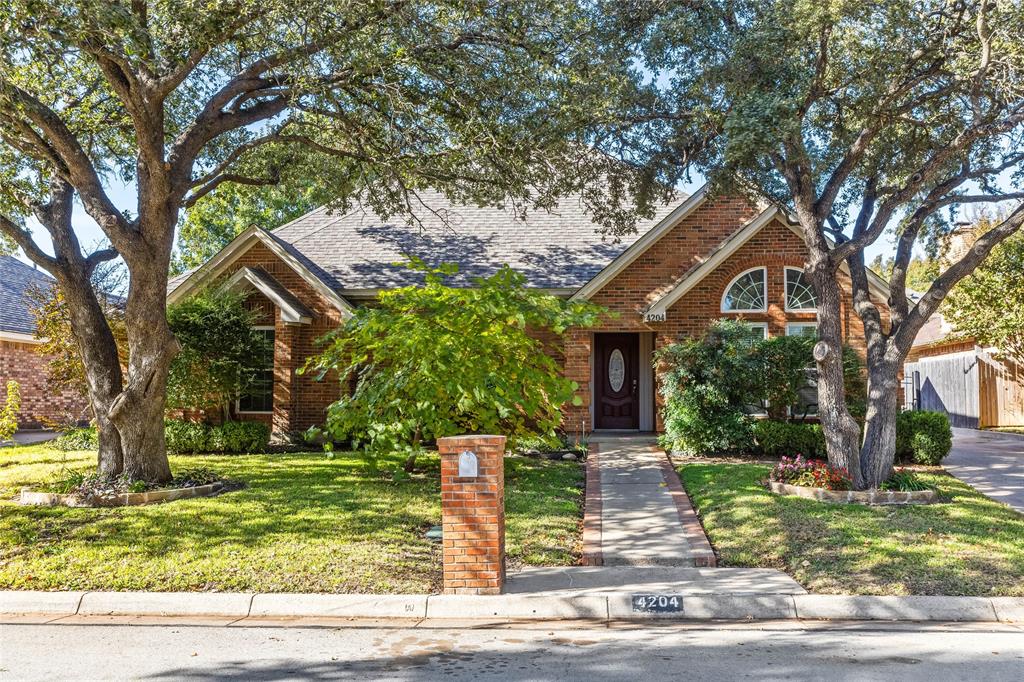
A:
(616, 373)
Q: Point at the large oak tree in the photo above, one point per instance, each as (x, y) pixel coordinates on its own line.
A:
(375, 98)
(864, 118)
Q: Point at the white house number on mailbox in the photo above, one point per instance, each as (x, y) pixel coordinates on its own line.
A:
(467, 464)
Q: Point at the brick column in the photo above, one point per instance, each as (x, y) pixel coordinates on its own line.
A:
(473, 515)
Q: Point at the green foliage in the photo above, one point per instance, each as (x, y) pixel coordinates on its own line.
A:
(243, 436)
(220, 353)
(219, 217)
(904, 481)
(190, 437)
(708, 389)
(77, 439)
(186, 436)
(779, 438)
(9, 412)
(921, 271)
(433, 360)
(923, 437)
(783, 365)
(712, 384)
(989, 304)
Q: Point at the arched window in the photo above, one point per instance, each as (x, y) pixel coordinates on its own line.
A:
(747, 293)
(799, 291)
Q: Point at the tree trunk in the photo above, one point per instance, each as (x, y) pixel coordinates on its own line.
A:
(879, 448)
(138, 411)
(842, 433)
(98, 350)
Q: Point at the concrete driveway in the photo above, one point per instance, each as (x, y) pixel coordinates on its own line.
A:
(991, 462)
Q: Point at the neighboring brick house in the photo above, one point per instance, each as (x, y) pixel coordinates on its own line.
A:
(19, 359)
(697, 260)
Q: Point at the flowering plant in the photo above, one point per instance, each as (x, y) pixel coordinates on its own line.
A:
(810, 473)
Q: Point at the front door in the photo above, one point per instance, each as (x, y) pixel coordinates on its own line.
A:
(616, 375)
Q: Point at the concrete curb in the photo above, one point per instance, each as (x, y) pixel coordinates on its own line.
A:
(608, 607)
(230, 604)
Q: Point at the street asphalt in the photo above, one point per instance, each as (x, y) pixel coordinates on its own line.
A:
(789, 651)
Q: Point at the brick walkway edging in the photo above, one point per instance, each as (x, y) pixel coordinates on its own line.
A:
(592, 510)
(700, 546)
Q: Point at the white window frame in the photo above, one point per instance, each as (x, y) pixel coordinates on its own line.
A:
(790, 326)
(238, 401)
(764, 284)
(785, 292)
(758, 325)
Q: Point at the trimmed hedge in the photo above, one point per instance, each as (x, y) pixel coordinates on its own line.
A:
(778, 438)
(187, 437)
(923, 437)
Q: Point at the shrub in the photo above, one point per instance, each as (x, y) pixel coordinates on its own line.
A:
(9, 411)
(707, 386)
(904, 481)
(242, 436)
(810, 473)
(778, 438)
(923, 437)
(186, 437)
(77, 439)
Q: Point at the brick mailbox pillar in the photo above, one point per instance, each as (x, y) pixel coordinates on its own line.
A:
(473, 513)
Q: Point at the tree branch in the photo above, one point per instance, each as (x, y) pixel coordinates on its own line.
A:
(954, 273)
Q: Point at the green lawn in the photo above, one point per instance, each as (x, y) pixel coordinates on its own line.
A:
(1006, 429)
(968, 545)
(304, 523)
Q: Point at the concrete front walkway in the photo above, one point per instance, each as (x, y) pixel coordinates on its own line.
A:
(993, 463)
(645, 517)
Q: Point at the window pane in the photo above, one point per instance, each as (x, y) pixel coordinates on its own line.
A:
(799, 291)
(801, 329)
(746, 293)
(259, 396)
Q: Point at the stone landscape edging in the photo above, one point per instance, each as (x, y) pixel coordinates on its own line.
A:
(868, 497)
(42, 499)
(54, 606)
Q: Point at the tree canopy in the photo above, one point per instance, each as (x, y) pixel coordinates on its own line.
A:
(490, 101)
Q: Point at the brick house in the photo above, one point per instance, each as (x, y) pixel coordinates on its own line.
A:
(19, 357)
(696, 260)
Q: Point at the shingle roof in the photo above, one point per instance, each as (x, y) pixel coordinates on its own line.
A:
(560, 249)
(16, 281)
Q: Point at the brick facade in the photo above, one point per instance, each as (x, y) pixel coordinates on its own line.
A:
(40, 403)
(300, 401)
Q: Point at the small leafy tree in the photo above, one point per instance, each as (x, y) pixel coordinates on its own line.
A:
(989, 304)
(9, 413)
(433, 360)
(220, 353)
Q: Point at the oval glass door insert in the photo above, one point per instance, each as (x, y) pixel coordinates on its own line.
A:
(616, 370)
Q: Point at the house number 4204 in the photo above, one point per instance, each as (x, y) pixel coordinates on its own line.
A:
(657, 603)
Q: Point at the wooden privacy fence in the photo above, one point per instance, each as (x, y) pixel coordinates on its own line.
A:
(974, 388)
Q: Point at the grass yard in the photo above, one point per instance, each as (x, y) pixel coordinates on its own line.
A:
(304, 523)
(969, 545)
